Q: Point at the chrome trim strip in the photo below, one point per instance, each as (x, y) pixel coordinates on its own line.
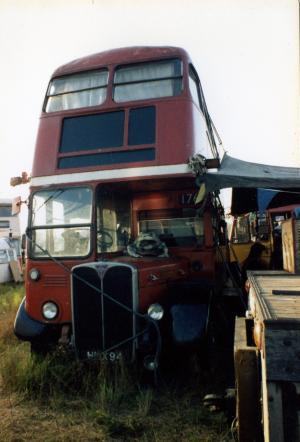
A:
(102, 175)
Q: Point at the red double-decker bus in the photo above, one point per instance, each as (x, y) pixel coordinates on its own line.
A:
(117, 249)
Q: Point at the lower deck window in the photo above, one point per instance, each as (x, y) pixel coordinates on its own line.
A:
(141, 128)
(113, 220)
(99, 132)
(90, 132)
(175, 231)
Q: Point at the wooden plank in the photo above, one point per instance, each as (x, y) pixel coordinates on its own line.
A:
(16, 271)
(288, 246)
(297, 244)
(271, 408)
(275, 416)
(240, 334)
(247, 386)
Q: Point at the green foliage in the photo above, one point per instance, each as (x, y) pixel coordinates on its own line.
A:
(10, 297)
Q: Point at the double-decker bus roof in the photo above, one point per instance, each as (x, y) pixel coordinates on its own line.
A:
(119, 56)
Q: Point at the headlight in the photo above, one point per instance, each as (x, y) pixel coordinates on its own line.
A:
(150, 363)
(49, 310)
(34, 274)
(155, 311)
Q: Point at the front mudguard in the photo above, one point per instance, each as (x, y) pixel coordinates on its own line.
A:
(26, 328)
(189, 323)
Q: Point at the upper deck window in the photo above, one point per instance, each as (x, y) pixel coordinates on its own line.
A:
(194, 88)
(148, 80)
(78, 90)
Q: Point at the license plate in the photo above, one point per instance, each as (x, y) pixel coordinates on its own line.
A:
(111, 356)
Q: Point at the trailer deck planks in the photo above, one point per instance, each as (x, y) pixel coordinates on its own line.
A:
(273, 330)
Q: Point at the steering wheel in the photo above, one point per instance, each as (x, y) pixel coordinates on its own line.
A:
(104, 238)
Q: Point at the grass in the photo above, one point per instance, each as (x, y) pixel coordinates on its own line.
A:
(61, 399)
(10, 298)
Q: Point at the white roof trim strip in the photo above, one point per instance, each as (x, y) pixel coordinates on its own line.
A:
(101, 175)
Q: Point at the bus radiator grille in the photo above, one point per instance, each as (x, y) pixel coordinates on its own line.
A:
(98, 322)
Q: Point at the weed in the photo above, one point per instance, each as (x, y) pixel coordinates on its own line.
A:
(10, 298)
(144, 401)
(15, 367)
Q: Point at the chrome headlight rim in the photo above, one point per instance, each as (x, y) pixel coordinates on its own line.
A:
(150, 363)
(34, 274)
(155, 311)
(53, 310)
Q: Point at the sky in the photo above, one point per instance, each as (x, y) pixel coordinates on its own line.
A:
(245, 51)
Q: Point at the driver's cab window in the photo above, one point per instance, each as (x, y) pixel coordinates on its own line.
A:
(113, 221)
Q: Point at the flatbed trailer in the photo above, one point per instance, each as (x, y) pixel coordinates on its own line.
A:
(267, 359)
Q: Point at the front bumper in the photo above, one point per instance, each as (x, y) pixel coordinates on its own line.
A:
(26, 328)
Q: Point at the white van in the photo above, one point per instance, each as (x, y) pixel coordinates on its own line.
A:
(7, 253)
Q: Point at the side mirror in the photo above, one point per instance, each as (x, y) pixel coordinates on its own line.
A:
(16, 206)
(23, 242)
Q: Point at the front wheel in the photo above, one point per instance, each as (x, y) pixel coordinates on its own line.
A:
(40, 349)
